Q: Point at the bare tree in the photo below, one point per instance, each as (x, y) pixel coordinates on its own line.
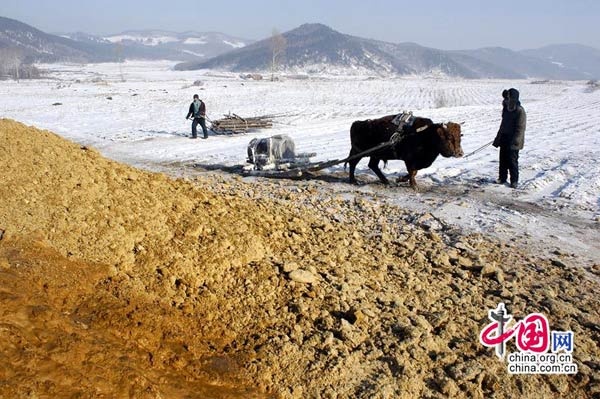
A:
(17, 61)
(278, 47)
(3, 63)
(120, 59)
(10, 61)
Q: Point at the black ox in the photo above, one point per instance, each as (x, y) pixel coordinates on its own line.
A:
(420, 146)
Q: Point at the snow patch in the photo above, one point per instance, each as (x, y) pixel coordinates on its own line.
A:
(194, 53)
(195, 40)
(234, 44)
(145, 40)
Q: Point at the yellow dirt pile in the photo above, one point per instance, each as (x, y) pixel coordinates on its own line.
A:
(115, 282)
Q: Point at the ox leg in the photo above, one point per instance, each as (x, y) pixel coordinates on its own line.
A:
(374, 165)
(403, 179)
(353, 164)
(407, 177)
(412, 175)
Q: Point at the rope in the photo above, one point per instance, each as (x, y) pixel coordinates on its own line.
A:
(483, 147)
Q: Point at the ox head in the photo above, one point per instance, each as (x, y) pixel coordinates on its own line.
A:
(450, 135)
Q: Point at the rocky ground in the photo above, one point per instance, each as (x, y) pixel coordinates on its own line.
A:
(119, 282)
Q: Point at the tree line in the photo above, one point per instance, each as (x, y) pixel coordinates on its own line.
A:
(13, 65)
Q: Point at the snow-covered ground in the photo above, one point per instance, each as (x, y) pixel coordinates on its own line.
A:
(557, 204)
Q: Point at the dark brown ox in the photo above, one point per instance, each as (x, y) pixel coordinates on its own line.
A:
(418, 149)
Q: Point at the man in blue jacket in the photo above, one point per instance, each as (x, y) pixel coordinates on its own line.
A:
(511, 138)
(198, 111)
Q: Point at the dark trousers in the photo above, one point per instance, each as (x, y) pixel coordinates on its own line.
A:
(509, 161)
(202, 123)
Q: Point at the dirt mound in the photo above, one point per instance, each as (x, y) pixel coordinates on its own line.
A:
(160, 287)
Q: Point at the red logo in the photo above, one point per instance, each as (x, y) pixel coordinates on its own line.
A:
(532, 333)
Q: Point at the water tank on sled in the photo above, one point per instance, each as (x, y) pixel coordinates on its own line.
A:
(271, 150)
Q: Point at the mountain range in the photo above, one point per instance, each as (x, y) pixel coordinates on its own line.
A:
(39, 46)
(318, 48)
(310, 48)
(198, 45)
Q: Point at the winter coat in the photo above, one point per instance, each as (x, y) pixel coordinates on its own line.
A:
(201, 111)
(512, 129)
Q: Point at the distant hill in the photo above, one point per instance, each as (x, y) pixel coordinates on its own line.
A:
(583, 59)
(39, 46)
(522, 64)
(423, 60)
(42, 47)
(203, 45)
(310, 48)
(318, 48)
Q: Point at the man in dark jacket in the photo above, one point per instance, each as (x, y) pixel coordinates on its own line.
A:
(504, 99)
(511, 138)
(198, 111)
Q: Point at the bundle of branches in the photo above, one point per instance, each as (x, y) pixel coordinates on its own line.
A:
(233, 123)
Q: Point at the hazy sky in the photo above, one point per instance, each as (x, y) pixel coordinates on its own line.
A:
(447, 24)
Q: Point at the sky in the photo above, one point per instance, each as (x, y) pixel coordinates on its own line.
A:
(458, 24)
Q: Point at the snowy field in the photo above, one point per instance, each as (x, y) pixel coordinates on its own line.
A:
(556, 207)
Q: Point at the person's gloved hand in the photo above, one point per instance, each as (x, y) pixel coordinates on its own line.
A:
(496, 143)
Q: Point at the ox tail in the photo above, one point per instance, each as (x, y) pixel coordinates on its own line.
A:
(353, 151)
(349, 155)
(352, 131)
